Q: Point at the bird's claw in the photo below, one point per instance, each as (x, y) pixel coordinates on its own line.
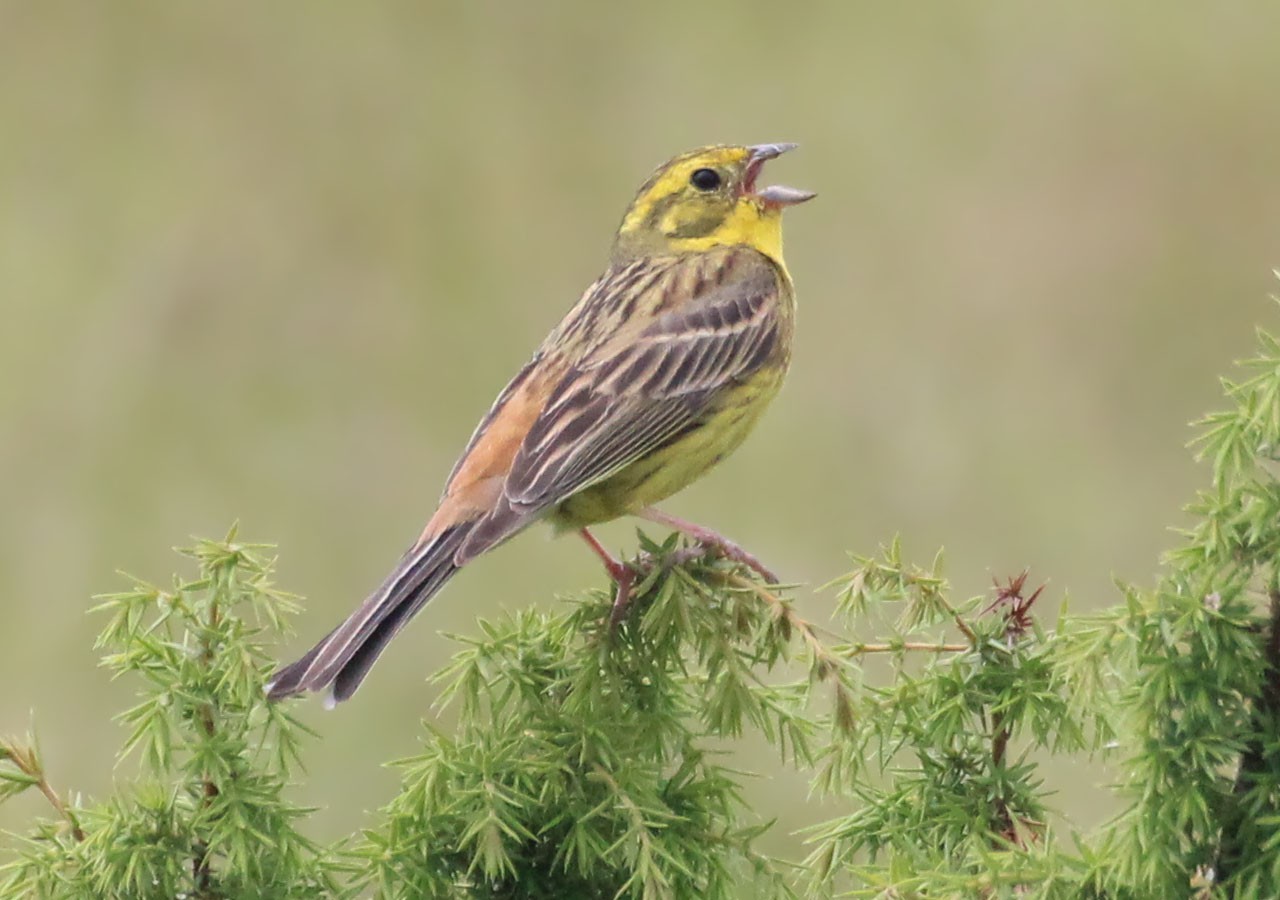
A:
(624, 577)
(729, 550)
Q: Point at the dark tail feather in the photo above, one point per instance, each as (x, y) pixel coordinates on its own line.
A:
(343, 658)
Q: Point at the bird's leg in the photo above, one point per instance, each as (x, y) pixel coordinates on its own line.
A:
(617, 569)
(622, 574)
(710, 540)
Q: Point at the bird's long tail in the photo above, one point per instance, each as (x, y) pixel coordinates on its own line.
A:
(342, 659)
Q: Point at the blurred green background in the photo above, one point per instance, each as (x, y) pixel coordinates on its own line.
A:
(272, 261)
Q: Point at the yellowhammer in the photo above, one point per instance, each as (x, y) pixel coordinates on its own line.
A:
(654, 376)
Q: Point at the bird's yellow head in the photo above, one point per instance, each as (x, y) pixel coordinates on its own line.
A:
(708, 198)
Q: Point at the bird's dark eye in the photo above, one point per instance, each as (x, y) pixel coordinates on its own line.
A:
(705, 179)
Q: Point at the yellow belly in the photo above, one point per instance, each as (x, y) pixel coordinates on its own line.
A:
(662, 473)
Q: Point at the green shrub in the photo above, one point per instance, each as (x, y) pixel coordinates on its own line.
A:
(588, 760)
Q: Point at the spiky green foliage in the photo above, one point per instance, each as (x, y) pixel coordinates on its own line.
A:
(939, 758)
(1201, 673)
(585, 764)
(207, 816)
(588, 760)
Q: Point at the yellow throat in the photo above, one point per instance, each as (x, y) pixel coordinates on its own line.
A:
(708, 198)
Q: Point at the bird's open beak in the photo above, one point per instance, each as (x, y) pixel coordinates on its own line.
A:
(775, 195)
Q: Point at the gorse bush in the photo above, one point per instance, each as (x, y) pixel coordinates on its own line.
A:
(207, 817)
(582, 765)
(588, 760)
(1201, 661)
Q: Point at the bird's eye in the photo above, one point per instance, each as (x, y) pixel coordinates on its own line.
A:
(705, 179)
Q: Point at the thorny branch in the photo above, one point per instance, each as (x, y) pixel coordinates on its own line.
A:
(201, 871)
(1016, 610)
(826, 658)
(28, 763)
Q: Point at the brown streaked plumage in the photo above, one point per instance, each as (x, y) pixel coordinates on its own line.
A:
(657, 373)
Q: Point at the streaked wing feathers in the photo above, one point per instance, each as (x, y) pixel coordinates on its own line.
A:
(626, 397)
(610, 412)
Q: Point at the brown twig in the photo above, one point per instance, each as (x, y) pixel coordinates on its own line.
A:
(913, 646)
(1016, 610)
(809, 632)
(201, 870)
(26, 761)
(961, 625)
(826, 660)
(643, 833)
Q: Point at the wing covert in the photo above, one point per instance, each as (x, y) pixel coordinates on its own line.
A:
(642, 389)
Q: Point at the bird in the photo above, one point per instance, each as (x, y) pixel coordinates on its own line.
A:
(658, 372)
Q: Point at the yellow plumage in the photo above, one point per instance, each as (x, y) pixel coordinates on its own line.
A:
(720, 428)
(659, 371)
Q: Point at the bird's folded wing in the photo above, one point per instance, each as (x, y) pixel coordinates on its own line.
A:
(621, 403)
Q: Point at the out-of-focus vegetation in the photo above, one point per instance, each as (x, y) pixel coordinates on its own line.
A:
(272, 262)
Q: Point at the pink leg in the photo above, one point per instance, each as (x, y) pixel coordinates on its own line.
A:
(623, 577)
(711, 540)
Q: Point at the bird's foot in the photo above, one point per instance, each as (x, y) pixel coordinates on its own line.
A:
(712, 542)
(623, 580)
(727, 549)
(623, 575)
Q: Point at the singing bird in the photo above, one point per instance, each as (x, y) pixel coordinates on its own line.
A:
(656, 374)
